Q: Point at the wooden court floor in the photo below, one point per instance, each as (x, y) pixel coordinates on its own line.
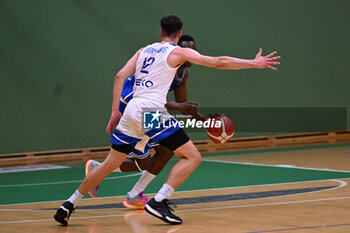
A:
(315, 199)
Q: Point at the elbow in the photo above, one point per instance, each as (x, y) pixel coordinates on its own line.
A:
(221, 63)
(120, 77)
(167, 105)
(117, 76)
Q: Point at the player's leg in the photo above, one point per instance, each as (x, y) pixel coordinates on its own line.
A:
(133, 165)
(135, 198)
(190, 158)
(113, 160)
(128, 165)
(160, 159)
(115, 157)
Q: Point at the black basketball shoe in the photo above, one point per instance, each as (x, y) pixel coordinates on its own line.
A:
(163, 210)
(63, 213)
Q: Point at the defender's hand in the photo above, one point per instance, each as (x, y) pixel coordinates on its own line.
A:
(267, 61)
(115, 116)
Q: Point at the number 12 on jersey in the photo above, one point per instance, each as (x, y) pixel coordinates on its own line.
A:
(147, 62)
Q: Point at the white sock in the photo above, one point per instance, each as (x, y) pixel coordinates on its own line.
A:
(142, 183)
(75, 198)
(164, 193)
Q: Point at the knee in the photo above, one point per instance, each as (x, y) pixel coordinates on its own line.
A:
(196, 157)
(108, 167)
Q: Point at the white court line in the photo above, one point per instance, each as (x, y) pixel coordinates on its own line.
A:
(20, 210)
(38, 167)
(269, 165)
(64, 182)
(194, 190)
(190, 210)
(342, 184)
(265, 204)
(206, 160)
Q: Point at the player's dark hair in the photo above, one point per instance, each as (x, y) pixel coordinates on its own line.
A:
(170, 25)
(185, 38)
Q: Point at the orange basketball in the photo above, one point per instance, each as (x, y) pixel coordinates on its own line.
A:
(223, 133)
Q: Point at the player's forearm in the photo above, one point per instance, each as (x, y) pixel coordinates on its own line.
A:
(117, 91)
(171, 105)
(232, 63)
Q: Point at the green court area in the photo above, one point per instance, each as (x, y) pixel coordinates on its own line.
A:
(59, 184)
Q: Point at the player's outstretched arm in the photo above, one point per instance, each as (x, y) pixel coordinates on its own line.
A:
(119, 79)
(181, 55)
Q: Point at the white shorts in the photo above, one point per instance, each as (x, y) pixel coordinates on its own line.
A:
(131, 127)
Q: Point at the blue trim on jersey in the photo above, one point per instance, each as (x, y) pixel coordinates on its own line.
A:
(118, 138)
(165, 134)
(152, 143)
(177, 80)
(127, 93)
(173, 44)
(122, 107)
(168, 124)
(128, 88)
(138, 154)
(157, 135)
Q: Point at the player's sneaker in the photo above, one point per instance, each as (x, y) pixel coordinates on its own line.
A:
(63, 213)
(135, 203)
(89, 165)
(163, 210)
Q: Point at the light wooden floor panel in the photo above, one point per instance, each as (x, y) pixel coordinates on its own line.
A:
(319, 211)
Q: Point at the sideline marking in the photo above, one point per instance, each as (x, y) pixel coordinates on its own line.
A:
(190, 210)
(343, 183)
(65, 182)
(269, 165)
(301, 228)
(31, 168)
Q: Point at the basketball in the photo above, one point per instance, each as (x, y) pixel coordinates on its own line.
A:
(221, 134)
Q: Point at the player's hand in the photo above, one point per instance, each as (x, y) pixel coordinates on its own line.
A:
(115, 116)
(214, 115)
(266, 62)
(188, 108)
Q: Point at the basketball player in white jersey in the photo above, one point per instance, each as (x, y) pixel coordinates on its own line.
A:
(154, 67)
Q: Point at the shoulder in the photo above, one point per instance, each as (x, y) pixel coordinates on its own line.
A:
(140, 50)
(178, 49)
(137, 54)
(185, 52)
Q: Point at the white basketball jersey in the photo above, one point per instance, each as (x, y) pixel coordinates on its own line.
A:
(153, 75)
